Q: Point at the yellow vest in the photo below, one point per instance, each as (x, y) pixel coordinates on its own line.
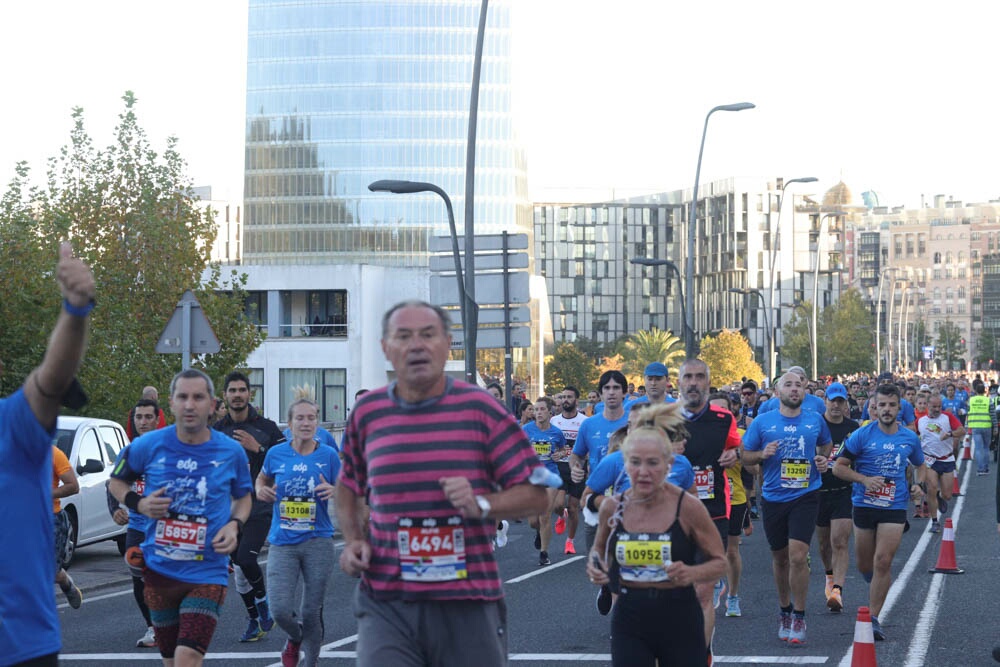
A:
(979, 412)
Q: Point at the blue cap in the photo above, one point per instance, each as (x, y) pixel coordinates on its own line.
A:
(836, 390)
(655, 369)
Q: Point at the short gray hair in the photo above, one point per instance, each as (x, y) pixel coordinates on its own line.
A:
(192, 373)
(416, 303)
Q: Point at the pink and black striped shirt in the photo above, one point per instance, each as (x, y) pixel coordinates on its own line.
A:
(395, 453)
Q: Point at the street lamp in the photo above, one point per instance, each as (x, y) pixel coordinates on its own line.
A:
(815, 337)
(878, 321)
(904, 337)
(774, 255)
(468, 307)
(651, 261)
(763, 307)
(692, 227)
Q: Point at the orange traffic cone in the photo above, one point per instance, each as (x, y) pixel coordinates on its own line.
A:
(863, 654)
(955, 490)
(946, 558)
(967, 451)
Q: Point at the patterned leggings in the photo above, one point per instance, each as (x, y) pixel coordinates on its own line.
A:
(183, 614)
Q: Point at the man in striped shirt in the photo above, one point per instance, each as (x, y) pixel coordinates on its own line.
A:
(438, 461)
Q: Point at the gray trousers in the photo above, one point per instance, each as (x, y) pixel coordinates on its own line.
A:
(430, 634)
(310, 562)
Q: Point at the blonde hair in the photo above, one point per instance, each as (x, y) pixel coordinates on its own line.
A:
(616, 439)
(663, 422)
(302, 395)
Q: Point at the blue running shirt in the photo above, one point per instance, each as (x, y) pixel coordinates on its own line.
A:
(791, 471)
(545, 443)
(876, 453)
(610, 474)
(298, 514)
(592, 438)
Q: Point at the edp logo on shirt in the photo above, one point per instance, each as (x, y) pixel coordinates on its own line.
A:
(189, 465)
(300, 467)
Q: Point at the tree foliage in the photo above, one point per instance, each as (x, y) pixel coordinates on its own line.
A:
(949, 345)
(645, 347)
(844, 341)
(986, 349)
(131, 215)
(729, 358)
(569, 366)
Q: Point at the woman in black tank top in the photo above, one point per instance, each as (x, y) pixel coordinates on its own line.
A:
(652, 546)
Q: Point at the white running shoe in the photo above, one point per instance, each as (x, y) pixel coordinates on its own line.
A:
(502, 533)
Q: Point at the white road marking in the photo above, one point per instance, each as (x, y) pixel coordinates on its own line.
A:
(928, 615)
(543, 570)
(86, 599)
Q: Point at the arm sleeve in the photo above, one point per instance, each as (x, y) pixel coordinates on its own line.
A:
(130, 464)
(953, 422)
(353, 471)
(580, 447)
(751, 439)
(848, 451)
(241, 484)
(733, 439)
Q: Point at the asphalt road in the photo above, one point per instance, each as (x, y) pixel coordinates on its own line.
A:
(931, 619)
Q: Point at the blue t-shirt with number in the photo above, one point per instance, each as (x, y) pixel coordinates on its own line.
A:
(299, 514)
(201, 481)
(592, 438)
(545, 443)
(791, 471)
(879, 454)
(610, 474)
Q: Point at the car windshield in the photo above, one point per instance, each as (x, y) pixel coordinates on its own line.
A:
(64, 440)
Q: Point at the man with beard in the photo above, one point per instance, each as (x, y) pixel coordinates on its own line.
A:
(569, 421)
(712, 445)
(257, 434)
(656, 386)
(810, 402)
(791, 444)
(875, 459)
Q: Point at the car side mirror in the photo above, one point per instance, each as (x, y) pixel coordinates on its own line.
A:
(92, 465)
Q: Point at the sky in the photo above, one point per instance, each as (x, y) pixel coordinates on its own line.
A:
(895, 97)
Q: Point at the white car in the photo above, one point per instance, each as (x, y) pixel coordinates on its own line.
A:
(92, 446)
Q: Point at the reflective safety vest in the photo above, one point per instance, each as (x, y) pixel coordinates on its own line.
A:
(979, 413)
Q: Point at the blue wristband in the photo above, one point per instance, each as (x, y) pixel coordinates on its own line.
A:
(78, 311)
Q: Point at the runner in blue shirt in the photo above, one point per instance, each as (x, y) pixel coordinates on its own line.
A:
(810, 402)
(298, 477)
(875, 458)
(198, 495)
(546, 440)
(906, 415)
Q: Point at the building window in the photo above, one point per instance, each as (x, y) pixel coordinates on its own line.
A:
(255, 308)
(328, 313)
(256, 376)
(329, 385)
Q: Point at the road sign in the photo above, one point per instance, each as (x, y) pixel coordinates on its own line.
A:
(518, 315)
(489, 289)
(515, 260)
(188, 331)
(483, 242)
(520, 336)
(928, 351)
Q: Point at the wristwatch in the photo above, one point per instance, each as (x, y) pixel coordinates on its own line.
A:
(484, 506)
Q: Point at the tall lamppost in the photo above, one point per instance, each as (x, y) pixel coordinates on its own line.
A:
(878, 321)
(468, 306)
(689, 346)
(904, 338)
(775, 236)
(652, 261)
(814, 343)
(763, 307)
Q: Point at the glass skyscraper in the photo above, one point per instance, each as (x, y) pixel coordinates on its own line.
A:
(341, 93)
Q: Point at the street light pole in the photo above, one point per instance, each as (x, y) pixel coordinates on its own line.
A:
(878, 321)
(774, 255)
(814, 343)
(467, 305)
(689, 346)
(763, 307)
(904, 338)
(651, 261)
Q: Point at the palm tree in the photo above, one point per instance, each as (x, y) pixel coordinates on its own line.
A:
(644, 347)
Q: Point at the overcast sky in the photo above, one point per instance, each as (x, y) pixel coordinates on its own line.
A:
(896, 97)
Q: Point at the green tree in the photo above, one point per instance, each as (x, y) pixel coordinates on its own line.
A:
(846, 336)
(645, 347)
(569, 366)
(796, 346)
(986, 350)
(729, 358)
(131, 214)
(950, 346)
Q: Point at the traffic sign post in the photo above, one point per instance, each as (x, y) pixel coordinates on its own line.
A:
(188, 332)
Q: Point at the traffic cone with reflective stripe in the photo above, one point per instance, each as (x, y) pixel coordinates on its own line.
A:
(967, 451)
(956, 491)
(946, 558)
(863, 654)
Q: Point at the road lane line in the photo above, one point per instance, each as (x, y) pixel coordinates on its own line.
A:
(339, 643)
(86, 599)
(928, 615)
(543, 570)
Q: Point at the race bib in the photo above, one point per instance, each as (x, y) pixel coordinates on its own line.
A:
(181, 537)
(296, 513)
(431, 549)
(883, 496)
(704, 481)
(543, 450)
(794, 473)
(139, 486)
(643, 557)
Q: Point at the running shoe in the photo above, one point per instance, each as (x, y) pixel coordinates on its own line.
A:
(253, 632)
(935, 526)
(560, 526)
(733, 605)
(717, 593)
(797, 635)
(604, 600)
(148, 640)
(502, 533)
(829, 587)
(543, 558)
(538, 540)
(942, 504)
(570, 547)
(835, 600)
(266, 622)
(877, 629)
(73, 594)
(290, 654)
(754, 514)
(784, 626)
